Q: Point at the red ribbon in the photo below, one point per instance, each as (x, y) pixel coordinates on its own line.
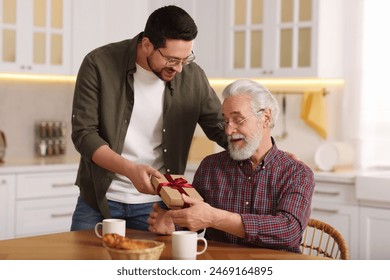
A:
(177, 184)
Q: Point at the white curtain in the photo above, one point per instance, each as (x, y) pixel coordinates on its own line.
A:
(374, 127)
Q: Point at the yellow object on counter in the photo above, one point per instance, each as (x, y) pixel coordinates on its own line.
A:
(313, 111)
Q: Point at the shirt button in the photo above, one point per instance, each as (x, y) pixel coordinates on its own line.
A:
(165, 150)
(168, 170)
(164, 130)
(125, 121)
(247, 203)
(249, 178)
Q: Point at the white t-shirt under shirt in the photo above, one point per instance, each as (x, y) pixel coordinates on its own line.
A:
(144, 136)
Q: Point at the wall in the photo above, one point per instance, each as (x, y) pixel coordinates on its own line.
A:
(22, 104)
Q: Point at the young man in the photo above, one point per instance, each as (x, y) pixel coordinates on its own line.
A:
(253, 193)
(136, 105)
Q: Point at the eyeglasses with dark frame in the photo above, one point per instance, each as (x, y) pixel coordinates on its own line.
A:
(236, 124)
(172, 62)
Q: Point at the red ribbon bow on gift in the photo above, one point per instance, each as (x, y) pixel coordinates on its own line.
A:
(177, 184)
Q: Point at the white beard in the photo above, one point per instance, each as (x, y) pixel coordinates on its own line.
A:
(248, 150)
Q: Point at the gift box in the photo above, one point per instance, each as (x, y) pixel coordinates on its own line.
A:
(170, 187)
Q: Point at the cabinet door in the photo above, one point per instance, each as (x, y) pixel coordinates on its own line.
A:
(7, 32)
(248, 33)
(7, 200)
(106, 23)
(46, 184)
(344, 218)
(45, 202)
(210, 43)
(374, 233)
(36, 36)
(271, 38)
(294, 25)
(284, 38)
(42, 216)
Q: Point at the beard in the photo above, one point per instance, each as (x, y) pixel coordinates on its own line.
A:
(251, 145)
(159, 73)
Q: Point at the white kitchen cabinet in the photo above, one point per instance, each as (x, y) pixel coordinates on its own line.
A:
(7, 203)
(283, 38)
(372, 190)
(336, 204)
(374, 233)
(45, 202)
(100, 22)
(209, 45)
(35, 36)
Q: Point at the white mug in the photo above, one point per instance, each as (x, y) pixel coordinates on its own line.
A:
(117, 226)
(184, 245)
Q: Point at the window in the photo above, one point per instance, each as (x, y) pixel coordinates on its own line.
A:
(374, 128)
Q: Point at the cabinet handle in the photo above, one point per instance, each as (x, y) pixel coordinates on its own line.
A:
(327, 193)
(61, 185)
(61, 215)
(265, 72)
(330, 211)
(3, 182)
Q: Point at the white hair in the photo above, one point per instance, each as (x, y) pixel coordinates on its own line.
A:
(261, 98)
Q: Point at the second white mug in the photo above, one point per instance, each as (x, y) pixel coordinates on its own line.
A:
(185, 243)
(117, 226)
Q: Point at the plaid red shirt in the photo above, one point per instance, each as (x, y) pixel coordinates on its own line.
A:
(273, 200)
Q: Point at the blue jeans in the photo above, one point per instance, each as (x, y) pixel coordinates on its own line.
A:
(136, 215)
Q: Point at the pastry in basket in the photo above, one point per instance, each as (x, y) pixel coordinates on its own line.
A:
(117, 241)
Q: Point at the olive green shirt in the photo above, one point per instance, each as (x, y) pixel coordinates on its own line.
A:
(102, 107)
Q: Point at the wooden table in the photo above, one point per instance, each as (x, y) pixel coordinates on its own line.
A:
(85, 245)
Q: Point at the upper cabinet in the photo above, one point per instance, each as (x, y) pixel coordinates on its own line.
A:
(267, 38)
(35, 36)
(236, 38)
(99, 22)
(284, 38)
(210, 43)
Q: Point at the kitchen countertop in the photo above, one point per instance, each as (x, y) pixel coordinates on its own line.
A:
(373, 185)
(340, 176)
(42, 164)
(38, 164)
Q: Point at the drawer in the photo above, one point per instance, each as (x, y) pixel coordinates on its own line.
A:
(7, 204)
(50, 184)
(334, 193)
(42, 216)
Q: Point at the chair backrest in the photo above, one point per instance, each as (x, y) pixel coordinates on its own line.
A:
(321, 239)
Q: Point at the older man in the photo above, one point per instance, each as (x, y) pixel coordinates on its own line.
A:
(253, 193)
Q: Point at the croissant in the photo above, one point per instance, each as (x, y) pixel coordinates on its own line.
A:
(117, 241)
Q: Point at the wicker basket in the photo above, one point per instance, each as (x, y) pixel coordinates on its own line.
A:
(152, 253)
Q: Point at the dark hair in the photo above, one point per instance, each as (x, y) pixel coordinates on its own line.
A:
(169, 22)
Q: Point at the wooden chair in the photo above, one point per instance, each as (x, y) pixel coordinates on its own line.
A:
(321, 239)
